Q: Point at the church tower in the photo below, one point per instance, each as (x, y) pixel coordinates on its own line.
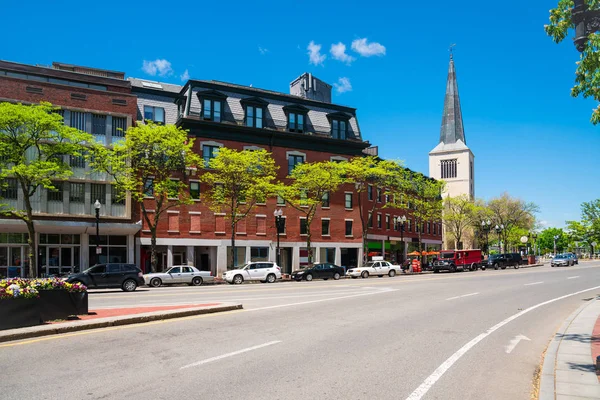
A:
(451, 160)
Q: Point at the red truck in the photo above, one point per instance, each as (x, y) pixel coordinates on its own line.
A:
(458, 260)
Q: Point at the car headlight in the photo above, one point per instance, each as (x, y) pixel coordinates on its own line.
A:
(300, 272)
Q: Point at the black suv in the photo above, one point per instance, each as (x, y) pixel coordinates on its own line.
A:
(504, 260)
(319, 271)
(125, 276)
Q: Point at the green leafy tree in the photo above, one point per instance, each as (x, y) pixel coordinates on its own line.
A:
(545, 240)
(383, 176)
(587, 74)
(427, 204)
(34, 143)
(311, 182)
(459, 216)
(151, 164)
(511, 213)
(238, 181)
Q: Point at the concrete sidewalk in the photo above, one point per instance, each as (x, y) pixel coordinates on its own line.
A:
(569, 370)
(102, 318)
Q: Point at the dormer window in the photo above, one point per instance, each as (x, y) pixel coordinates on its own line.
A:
(296, 118)
(212, 103)
(255, 111)
(339, 125)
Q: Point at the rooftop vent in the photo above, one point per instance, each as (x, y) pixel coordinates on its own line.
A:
(309, 87)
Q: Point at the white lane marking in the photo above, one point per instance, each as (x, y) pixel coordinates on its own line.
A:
(514, 342)
(573, 277)
(464, 295)
(534, 283)
(235, 353)
(446, 365)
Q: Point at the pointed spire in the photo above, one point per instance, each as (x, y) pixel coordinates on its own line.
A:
(452, 124)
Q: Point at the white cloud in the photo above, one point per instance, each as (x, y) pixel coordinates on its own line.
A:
(338, 51)
(262, 50)
(343, 85)
(185, 76)
(365, 49)
(314, 54)
(158, 66)
(544, 224)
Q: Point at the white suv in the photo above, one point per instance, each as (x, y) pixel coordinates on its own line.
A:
(264, 271)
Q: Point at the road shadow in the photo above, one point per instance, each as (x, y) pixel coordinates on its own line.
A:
(581, 338)
(582, 367)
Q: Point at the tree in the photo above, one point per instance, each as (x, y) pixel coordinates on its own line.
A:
(427, 204)
(34, 143)
(311, 182)
(590, 216)
(459, 215)
(587, 74)
(545, 241)
(239, 180)
(151, 162)
(512, 214)
(381, 175)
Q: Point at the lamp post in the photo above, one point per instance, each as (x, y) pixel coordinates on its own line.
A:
(499, 229)
(486, 226)
(97, 206)
(401, 221)
(586, 21)
(555, 239)
(279, 225)
(533, 235)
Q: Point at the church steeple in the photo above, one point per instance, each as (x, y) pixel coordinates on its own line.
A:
(452, 123)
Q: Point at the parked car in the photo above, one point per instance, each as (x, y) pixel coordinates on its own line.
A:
(264, 271)
(178, 274)
(562, 260)
(125, 276)
(505, 260)
(458, 260)
(377, 268)
(319, 271)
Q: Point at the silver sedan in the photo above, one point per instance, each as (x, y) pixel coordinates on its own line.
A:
(178, 274)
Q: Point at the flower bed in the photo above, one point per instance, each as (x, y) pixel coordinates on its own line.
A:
(31, 302)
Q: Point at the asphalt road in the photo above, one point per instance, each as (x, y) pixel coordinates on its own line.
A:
(472, 335)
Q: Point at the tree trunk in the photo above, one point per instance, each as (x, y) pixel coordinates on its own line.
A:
(420, 229)
(309, 250)
(233, 252)
(32, 251)
(363, 226)
(153, 259)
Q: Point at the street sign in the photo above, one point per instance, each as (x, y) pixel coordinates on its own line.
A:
(98, 250)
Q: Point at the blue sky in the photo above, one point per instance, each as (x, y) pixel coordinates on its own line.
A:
(529, 136)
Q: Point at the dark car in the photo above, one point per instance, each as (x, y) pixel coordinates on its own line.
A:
(505, 260)
(319, 271)
(125, 276)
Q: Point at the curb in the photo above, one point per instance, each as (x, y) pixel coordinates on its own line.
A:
(547, 378)
(57, 329)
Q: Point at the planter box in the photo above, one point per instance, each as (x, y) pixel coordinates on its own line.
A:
(19, 313)
(56, 304)
(80, 301)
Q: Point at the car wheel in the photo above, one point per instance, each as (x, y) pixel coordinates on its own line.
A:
(309, 277)
(197, 281)
(504, 267)
(496, 266)
(392, 273)
(336, 276)
(483, 267)
(238, 279)
(453, 268)
(155, 282)
(516, 266)
(271, 278)
(129, 285)
(473, 267)
(364, 275)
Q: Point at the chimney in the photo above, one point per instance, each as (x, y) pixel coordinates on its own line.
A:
(309, 87)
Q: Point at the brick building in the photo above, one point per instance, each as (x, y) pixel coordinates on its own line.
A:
(96, 101)
(295, 129)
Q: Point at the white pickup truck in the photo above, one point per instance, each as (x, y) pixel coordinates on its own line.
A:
(377, 268)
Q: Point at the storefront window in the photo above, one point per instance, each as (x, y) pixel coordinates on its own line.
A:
(259, 254)
(113, 250)
(241, 256)
(13, 255)
(327, 254)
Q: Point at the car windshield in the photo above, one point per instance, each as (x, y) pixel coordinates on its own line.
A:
(493, 256)
(370, 264)
(447, 255)
(561, 256)
(243, 266)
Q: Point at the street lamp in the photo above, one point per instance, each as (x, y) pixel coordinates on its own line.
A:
(401, 221)
(533, 235)
(499, 229)
(586, 21)
(97, 206)
(279, 225)
(486, 226)
(555, 239)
